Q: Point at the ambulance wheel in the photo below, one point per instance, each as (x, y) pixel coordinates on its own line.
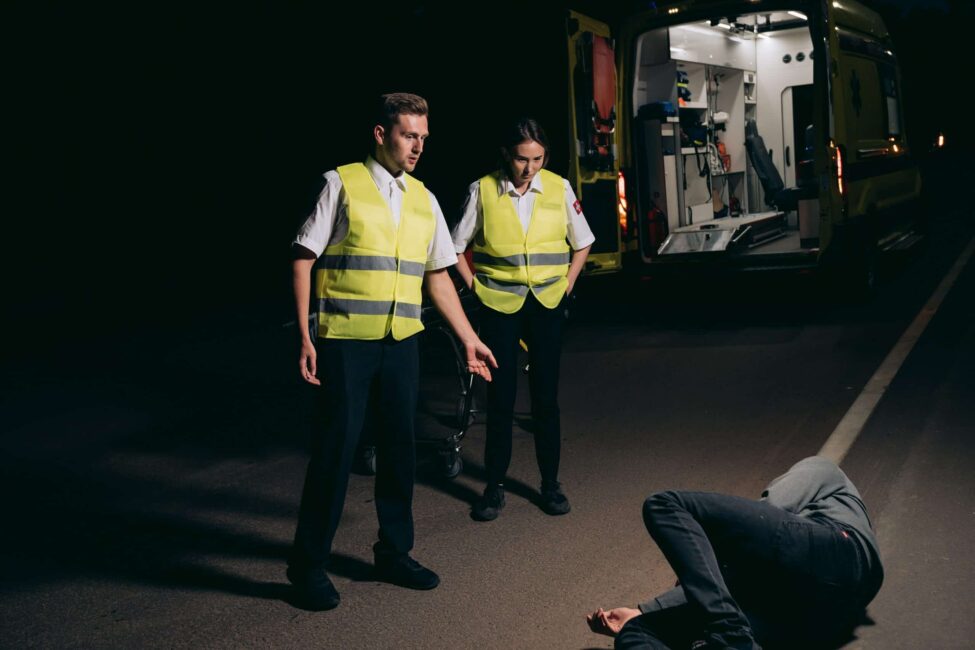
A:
(865, 275)
(854, 279)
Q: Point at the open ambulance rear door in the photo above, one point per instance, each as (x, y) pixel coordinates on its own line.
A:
(594, 160)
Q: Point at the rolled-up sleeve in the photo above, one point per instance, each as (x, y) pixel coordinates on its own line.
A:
(440, 253)
(577, 228)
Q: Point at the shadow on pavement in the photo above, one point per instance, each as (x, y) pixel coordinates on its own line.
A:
(74, 525)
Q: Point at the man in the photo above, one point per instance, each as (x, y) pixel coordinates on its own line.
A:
(383, 234)
(793, 570)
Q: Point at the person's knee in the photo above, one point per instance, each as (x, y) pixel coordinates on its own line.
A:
(658, 503)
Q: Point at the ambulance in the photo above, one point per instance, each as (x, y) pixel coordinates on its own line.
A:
(725, 135)
(744, 135)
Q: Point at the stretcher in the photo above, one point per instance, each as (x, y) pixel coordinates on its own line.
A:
(447, 403)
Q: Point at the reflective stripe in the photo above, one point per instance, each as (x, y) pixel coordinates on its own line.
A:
(406, 310)
(548, 281)
(351, 306)
(360, 262)
(368, 307)
(509, 287)
(411, 268)
(546, 259)
(511, 260)
(371, 263)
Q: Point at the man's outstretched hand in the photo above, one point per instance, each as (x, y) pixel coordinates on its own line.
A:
(611, 622)
(480, 359)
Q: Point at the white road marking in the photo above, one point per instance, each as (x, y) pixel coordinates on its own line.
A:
(846, 432)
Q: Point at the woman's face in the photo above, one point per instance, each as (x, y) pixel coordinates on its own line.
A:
(524, 161)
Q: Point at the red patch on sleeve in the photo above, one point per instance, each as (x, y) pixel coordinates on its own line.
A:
(577, 206)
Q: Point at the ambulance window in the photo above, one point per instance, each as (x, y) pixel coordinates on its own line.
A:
(866, 99)
(872, 79)
(888, 81)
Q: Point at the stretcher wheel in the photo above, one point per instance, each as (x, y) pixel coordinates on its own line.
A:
(465, 418)
(453, 466)
(459, 412)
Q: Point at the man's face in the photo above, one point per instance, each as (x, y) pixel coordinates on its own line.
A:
(399, 147)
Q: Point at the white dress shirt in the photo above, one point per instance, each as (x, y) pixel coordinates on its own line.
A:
(472, 221)
(329, 221)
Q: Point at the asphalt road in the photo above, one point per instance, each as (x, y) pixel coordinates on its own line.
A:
(151, 490)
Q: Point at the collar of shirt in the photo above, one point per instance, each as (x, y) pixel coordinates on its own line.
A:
(507, 187)
(382, 177)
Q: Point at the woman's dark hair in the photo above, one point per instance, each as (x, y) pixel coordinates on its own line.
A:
(519, 131)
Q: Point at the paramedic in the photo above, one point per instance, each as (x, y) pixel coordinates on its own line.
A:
(519, 219)
(382, 233)
(794, 569)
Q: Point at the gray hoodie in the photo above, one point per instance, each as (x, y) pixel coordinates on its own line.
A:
(816, 487)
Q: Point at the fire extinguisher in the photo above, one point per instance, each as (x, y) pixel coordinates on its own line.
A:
(656, 227)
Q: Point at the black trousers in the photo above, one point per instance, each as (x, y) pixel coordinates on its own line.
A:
(751, 575)
(541, 329)
(349, 370)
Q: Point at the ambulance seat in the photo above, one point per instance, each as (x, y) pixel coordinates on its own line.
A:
(777, 194)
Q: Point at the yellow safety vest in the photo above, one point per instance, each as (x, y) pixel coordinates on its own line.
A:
(370, 284)
(511, 262)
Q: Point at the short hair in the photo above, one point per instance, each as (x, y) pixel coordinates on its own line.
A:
(392, 105)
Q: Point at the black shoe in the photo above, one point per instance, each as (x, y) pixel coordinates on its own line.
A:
(488, 507)
(553, 502)
(313, 591)
(404, 571)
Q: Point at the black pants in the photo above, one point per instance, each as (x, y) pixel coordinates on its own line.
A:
(541, 329)
(348, 369)
(749, 573)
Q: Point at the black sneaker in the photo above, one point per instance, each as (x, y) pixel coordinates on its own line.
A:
(488, 507)
(553, 502)
(404, 571)
(313, 591)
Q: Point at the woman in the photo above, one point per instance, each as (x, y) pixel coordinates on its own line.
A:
(522, 220)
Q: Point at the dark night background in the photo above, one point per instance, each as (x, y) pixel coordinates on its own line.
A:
(162, 156)
(158, 159)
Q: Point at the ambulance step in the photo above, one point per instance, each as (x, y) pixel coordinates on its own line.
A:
(718, 235)
(904, 242)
